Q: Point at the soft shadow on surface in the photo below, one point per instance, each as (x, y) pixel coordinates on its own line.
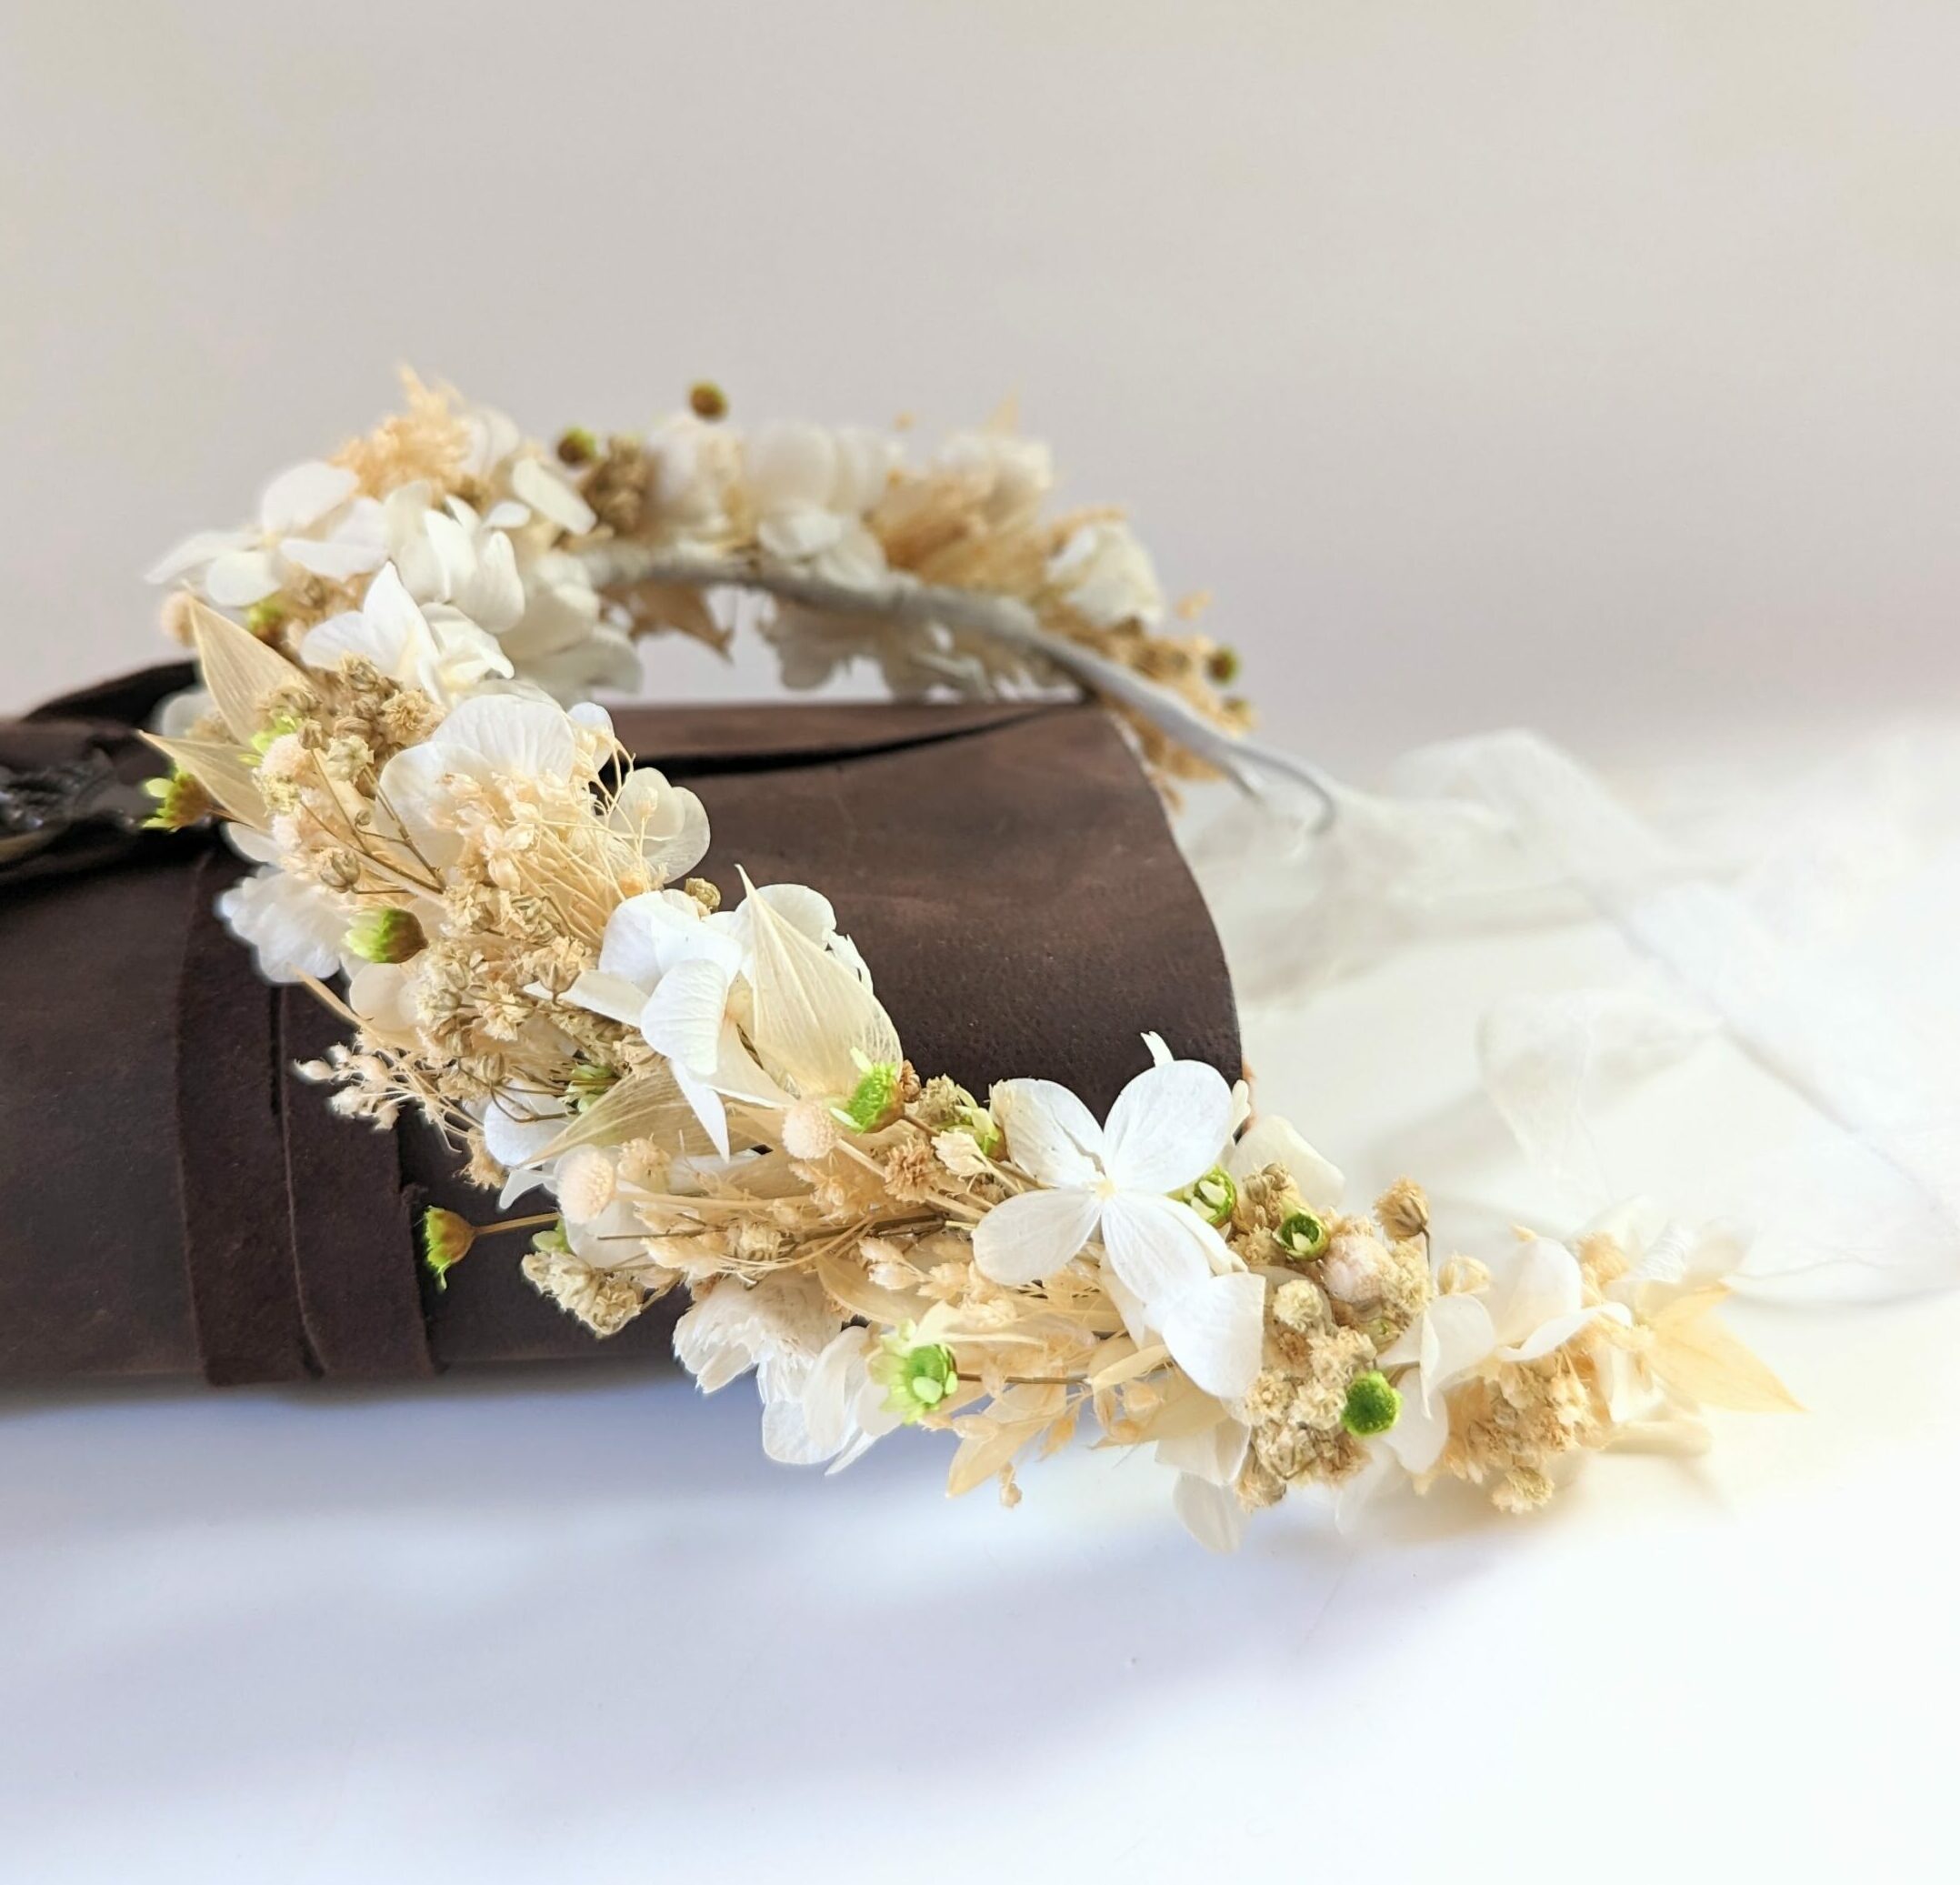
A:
(231, 1591)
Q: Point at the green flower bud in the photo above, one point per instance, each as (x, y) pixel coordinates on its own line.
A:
(181, 802)
(1303, 1235)
(445, 1242)
(577, 445)
(874, 1101)
(982, 1127)
(1373, 1405)
(589, 1083)
(553, 1238)
(281, 724)
(1223, 666)
(1212, 1198)
(916, 1376)
(385, 935)
(264, 615)
(705, 400)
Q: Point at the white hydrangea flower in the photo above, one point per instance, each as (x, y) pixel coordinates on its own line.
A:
(672, 970)
(1107, 577)
(296, 927)
(812, 487)
(1114, 1183)
(310, 521)
(441, 652)
(1011, 475)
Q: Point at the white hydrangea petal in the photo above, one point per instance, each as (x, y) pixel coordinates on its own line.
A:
(1158, 1247)
(293, 925)
(183, 710)
(791, 463)
(644, 938)
(196, 550)
(241, 578)
(1214, 1453)
(738, 1076)
(327, 644)
(1421, 1430)
(708, 1107)
(668, 823)
(1216, 1331)
(613, 995)
(802, 909)
(865, 460)
(515, 1136)
(1533, 1281)
(1274, 1141)
(537, 484)
(383, 994)
(1453, 1335)
(464, 656)
(831, 1394)
(1560, 1329)
(1210, 1514)
(507, 734)
(683, 1016)
(1359, 1490)
(302, 494)
(1025, 1238)
(335, 561)
(1168, 1126)
(1050, 1135)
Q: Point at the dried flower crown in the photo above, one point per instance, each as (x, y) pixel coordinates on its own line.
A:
(714, 1102)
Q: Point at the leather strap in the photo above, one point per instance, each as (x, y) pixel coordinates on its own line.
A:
(298, 1231)
(231, 1154)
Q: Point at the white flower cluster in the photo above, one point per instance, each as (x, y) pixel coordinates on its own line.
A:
(503, 597)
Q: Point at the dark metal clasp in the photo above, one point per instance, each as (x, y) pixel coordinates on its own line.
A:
(39, 806)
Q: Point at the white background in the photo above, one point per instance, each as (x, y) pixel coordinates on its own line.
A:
(1590, 366)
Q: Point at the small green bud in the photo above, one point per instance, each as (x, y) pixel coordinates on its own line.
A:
(445, 1242)
(264, 615)
(1373, 1405)
(1212, 1198)
(705, 400)
(981, 1127)
(261, 743)
(181, 802)
(874, 1101)
(916, 1376)
(589, 1083)
(385, 935)
(553, 1238)
(1303, 1235)
(1223, 666)
(577, 445)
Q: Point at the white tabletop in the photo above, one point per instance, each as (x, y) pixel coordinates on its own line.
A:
(574, 1625)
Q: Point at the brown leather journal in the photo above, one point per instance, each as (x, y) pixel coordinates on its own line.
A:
(177, 1201)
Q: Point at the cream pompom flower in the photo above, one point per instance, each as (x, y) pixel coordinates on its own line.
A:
(1114, 1183)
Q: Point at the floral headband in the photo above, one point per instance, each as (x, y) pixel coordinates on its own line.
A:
(394, 720)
